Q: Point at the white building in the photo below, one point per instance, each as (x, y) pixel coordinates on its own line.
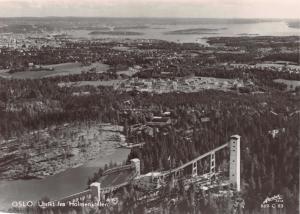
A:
(151, 180)
(235, 161)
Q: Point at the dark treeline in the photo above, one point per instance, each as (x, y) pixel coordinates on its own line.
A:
(269, 161)
(260, 76)
(269, 165)
(20, 111)
(255, 42)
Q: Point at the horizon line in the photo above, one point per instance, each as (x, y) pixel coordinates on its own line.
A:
(153, 17)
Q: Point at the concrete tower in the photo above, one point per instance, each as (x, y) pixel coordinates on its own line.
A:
(235, 162)
(194, 169)
(95, 190)
(136, 163)
(212, 163)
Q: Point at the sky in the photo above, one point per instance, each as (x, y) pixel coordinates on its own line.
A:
(153, 8)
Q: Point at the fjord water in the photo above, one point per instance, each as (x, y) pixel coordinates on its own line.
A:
(57, 186)
(232, 29)
(75, 179)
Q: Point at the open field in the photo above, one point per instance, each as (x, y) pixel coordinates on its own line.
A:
(56, 69)
(114, 83)
(128, 72)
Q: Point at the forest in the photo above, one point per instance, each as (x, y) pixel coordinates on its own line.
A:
(269, 164)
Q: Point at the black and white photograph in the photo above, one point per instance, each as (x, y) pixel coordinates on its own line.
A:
(149, 106)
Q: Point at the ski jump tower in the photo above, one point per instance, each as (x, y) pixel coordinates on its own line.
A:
(95, 192)
(235, 162)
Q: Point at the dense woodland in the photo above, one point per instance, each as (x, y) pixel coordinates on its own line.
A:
(270, 164)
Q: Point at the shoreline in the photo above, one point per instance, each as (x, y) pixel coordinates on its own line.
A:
(58, 185)
(58, 154)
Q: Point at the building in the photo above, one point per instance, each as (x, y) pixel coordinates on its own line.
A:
(235, 158)
(149, 181)
(121, 176)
